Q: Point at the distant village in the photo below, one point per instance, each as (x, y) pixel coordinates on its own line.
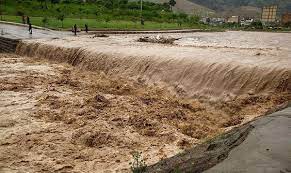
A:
(269, 18)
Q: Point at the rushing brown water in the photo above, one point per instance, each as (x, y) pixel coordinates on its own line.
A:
(57, 118)
(91, 117)
(211, 65)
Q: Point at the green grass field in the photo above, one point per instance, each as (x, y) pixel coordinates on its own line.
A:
(123, 15)
(94, 24)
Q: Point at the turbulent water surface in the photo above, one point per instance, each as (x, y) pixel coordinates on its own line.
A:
(84, 104)
(211, 65)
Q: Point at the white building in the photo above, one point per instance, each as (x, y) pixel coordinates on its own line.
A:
(233, 19)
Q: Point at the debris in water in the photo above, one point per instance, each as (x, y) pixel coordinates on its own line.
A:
(258, 54)
(100, 35)
(158, 39)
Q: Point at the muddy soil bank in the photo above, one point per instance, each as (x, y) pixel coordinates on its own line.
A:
(58, 118)
(244, 148)
(203, 156)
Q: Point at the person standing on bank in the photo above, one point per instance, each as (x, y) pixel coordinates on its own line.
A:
(27, 20)
(75, 29)
(86, 28)
(30, 28)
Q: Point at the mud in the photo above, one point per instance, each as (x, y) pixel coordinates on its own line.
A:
(58, 118)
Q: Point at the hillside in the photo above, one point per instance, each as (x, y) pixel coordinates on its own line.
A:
(192, 8)
(248, 11)
(225, 6)
(187, 6)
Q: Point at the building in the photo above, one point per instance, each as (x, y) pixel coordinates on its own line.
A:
(213, 21)
(286, 18)
(246, 21)
(205, 20)
(233, 19)
(269, 14)
(218, 21)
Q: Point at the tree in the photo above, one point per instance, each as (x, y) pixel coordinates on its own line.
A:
(45, 4)
(172, 3)
(55, 1)
(2, 4)
(257, 25)
(61, 17)
(19, 13)
(96, 14)
(194, 20)
(107, 19)
(109, 4)
(123, 3)
(44, 21)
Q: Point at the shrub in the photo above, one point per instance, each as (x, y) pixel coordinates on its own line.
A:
(138, 165)
(257, 25)
(44, 21)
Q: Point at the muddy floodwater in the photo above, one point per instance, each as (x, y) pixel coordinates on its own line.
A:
(85, 104)
(212, 65)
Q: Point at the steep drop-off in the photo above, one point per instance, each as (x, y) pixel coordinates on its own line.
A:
(187, 71)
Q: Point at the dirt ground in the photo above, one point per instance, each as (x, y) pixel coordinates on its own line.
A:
(58, 118)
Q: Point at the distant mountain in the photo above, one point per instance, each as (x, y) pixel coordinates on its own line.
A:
(187, 6)
(223, 6)
(191, 8)
(246, 11)
(251, 8)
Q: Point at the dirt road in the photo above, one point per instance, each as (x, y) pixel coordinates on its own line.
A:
(21, 32)
(58, 118)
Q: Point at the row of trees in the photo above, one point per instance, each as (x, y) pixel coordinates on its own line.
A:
(104, 10)
(110, 4)
(93, 8)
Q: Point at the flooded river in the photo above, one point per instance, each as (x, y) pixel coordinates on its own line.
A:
(85, 104)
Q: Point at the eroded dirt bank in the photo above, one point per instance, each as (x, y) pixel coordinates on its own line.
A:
(58, 118)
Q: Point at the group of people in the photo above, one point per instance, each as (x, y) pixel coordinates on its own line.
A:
(75, 29)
